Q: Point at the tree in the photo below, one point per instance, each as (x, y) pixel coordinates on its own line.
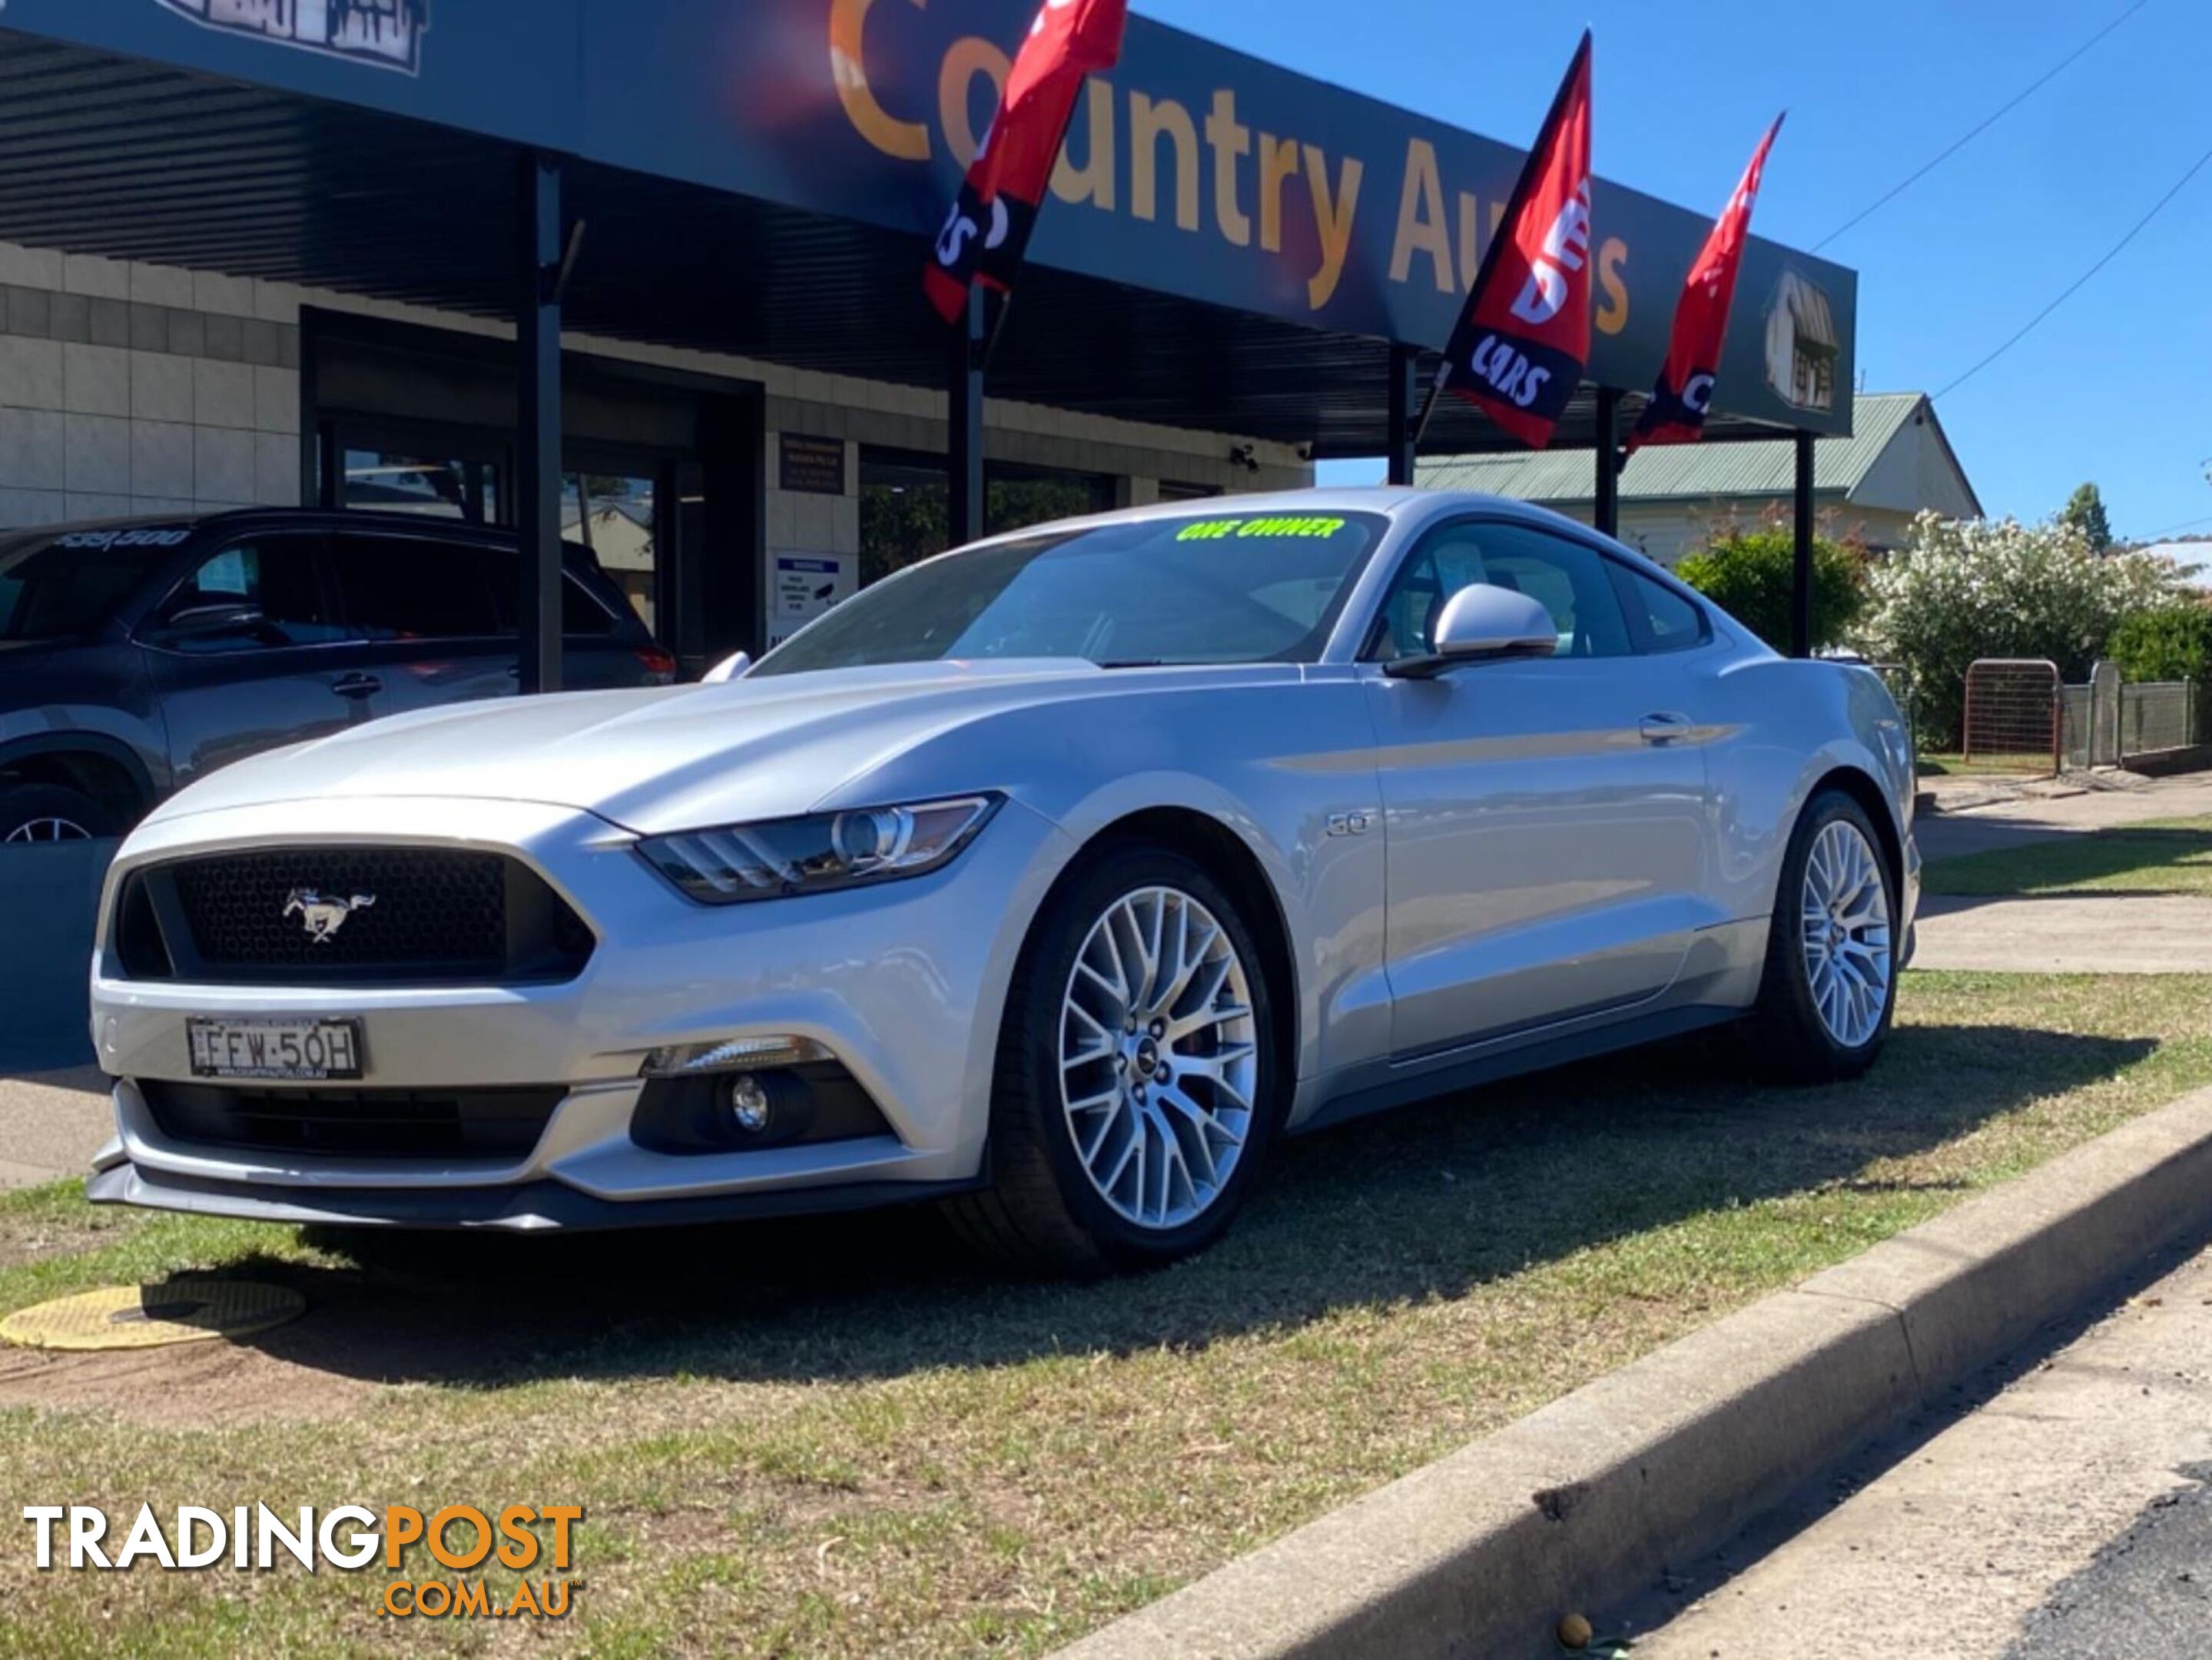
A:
(2085, 511)
(1752, 576)
(1963, 589)
(2173, 643)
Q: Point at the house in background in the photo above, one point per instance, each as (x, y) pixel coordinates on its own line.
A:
(1673, 496)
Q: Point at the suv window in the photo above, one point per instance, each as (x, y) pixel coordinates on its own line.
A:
(405, 588)
(1567, 579)
(1667, 621)
(65, 584)
(581, 613)
(262, 595)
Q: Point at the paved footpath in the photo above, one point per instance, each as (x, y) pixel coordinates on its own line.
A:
(2069, 1519)
(2040, 817)
(2065, 933)
(50, 1124)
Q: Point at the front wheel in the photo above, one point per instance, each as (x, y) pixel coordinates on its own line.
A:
(52, 813)
(1829, 987)
(1135, 1089)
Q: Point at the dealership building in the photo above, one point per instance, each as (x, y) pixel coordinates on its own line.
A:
(646, 274)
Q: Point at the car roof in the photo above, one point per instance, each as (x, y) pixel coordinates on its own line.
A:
(296, 519)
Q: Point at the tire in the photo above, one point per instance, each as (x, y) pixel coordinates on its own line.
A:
(1051, 1210)
(1811, 1025)
(52, 813)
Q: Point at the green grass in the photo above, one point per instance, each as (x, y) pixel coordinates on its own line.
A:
(840, 1438)
(1955, 765)
(2171, 856)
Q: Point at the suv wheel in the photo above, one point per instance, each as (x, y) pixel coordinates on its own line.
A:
(1829, 987)
(51, 812)
(1135, 1090)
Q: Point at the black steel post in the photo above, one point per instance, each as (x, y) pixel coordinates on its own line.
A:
(1800, 584)
(1607, 497)
(1405, 392)
(538, 430)
(964, 448)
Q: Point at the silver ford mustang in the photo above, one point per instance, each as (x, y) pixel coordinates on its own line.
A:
(1051, 878)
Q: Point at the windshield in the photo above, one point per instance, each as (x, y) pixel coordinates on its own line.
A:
(64, 585)
(1229, 587)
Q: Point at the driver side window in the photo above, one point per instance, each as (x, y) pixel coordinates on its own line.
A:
(1567, 579)
(264, 594)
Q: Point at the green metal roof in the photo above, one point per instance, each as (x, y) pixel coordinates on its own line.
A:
(1688, 471)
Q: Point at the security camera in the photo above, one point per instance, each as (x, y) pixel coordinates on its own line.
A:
(1245, 456)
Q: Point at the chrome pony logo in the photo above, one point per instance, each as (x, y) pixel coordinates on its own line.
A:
(324, 917)
(385, 33)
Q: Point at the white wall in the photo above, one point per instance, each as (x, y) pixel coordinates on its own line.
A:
(129, 388)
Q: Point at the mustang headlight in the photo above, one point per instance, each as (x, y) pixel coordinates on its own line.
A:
(819, 853)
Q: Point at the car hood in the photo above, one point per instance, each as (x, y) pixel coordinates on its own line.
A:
(672, 758)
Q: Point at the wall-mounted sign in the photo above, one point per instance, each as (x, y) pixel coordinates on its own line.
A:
(803, 585)
(815, 465)
(385, 33)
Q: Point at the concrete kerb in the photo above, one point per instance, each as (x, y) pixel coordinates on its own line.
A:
(1585, 1502)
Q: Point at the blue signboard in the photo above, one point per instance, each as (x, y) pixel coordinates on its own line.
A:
(1191, 169)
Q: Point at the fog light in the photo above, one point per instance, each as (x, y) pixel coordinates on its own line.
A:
(730, 1054)
(749, 1103)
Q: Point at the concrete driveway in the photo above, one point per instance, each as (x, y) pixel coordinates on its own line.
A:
(2073, 932)
(50, 1124)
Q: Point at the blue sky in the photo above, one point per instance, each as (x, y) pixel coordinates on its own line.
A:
(2113, 387)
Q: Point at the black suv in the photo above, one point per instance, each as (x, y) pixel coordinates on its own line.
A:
(136, 655)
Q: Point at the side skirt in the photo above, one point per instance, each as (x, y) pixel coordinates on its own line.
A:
(1489, 1067)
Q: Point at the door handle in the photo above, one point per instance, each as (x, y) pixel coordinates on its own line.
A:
(1664, 726)
(356, 685)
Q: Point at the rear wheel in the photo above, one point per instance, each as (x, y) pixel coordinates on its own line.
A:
(1829, 987)
(51, 812)
(1135, 1089)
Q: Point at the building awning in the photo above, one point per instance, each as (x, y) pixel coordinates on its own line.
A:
(219, 148)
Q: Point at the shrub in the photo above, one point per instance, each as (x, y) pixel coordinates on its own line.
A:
(1751, 574)
(2173, 643)
(1962, 589)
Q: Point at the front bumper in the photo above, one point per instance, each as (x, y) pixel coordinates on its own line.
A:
(903, 983)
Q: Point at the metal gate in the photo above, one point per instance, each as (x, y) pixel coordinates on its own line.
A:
(2012, 713)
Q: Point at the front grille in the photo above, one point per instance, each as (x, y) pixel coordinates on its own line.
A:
(341, 915)
(501, 1124)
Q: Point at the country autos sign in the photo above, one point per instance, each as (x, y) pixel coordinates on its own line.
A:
(1190, 169)
(385, 33)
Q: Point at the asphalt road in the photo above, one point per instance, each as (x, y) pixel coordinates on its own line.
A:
(2065, 1517)
(2149, 1591)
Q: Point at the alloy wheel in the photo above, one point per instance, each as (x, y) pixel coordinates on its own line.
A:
(1158, 1057)
(48, 829)
(1845, 907)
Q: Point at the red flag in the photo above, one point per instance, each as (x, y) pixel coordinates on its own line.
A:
(1676, 413)
(1519, 347)
(988, 228)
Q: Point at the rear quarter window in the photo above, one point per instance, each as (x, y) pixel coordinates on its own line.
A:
(1664, 619)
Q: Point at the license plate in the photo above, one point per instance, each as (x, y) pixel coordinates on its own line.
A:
(306, 1050)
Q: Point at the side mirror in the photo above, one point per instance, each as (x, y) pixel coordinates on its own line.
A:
(1483, 623)
(728, 669)
(196, 622)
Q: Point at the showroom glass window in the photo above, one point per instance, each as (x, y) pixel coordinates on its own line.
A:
(906, 505)
(617, 515)
(425, 485)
